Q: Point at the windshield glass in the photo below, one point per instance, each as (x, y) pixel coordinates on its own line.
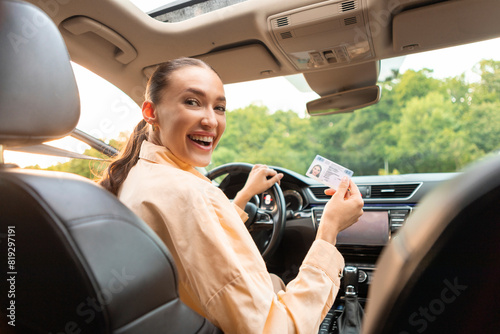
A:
(438, 113)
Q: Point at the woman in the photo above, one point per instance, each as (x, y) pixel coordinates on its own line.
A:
(221, 272)
(316, 170)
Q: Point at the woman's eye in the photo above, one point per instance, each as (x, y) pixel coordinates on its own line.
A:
(220, 108)
(192, 102)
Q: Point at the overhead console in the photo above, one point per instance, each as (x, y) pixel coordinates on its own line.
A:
(325, 35)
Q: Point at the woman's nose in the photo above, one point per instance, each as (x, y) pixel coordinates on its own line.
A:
(209, 120)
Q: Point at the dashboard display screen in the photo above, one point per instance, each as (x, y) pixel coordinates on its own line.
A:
(372, 229)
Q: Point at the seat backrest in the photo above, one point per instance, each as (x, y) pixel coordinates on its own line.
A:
(84, 261)
(75, 259)
(440, 273)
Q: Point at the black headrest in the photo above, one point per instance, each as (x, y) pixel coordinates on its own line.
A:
(38, 94)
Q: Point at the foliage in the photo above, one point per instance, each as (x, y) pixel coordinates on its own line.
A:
(88, 168)
(421, 124)
(255, 135)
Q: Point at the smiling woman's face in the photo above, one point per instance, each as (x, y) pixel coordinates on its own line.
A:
(192, 114)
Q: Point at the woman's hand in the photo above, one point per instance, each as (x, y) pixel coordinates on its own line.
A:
(342, 210)
(259, 180)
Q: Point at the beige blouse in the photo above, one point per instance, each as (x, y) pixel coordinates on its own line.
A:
(222, 275)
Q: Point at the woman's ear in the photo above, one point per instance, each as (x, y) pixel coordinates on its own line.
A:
(148, 112)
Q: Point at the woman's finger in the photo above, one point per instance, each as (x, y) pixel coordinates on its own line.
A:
(353, 188)
(343, 187)
(277, 178)
(330, 191)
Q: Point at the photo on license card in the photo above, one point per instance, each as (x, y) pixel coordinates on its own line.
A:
(328, 172)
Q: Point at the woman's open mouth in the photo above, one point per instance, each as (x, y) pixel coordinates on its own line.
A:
(202, 140)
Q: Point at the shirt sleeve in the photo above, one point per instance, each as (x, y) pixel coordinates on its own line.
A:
(220, 266)
(241, 212)
(299, 309)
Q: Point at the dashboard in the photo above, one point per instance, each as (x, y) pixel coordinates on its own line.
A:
(389, 201)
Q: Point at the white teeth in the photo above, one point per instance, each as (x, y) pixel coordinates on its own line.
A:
(202, 138)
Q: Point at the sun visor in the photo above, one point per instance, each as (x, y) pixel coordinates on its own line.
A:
(252, 62)
(417, 29)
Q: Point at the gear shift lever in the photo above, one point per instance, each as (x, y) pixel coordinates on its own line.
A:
(351, 281)
(350, 320)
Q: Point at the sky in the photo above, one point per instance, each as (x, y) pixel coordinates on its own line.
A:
(106, 111)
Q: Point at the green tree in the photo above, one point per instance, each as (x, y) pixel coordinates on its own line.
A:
(358, 140)
(488, 89)
(255, 135)
(421, 124)
(429, 136)
(483, 126)
(459, 93)
(414, 84)
(88, 168)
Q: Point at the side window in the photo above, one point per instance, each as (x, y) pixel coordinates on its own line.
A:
(107, 113)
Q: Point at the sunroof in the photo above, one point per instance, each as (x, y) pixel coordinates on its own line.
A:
(181, 10)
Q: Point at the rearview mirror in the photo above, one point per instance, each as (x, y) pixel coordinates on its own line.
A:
(343, 102)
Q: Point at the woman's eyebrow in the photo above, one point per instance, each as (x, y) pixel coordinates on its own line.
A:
(196, 91)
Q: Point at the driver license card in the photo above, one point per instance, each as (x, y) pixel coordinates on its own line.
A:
(328, 172)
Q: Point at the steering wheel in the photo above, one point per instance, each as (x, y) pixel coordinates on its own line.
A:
(265, 226)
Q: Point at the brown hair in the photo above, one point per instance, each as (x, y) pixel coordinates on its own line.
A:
(117, 171)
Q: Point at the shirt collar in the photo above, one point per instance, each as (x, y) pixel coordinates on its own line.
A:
(162, 155)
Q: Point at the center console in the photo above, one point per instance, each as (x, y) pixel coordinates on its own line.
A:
(361, 244)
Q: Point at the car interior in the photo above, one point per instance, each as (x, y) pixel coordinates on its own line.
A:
(76, 260)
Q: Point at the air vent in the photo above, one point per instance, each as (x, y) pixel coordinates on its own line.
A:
(282, 21)
(350, 21)
(287, 34)
(319, 192)
(347, 6)
(393, 190)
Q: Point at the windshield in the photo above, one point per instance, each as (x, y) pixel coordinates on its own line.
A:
(438, 112)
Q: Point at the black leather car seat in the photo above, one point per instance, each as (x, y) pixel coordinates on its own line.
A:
(73, 259)
(440, 273)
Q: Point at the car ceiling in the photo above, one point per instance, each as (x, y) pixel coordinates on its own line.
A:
(243, 42)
